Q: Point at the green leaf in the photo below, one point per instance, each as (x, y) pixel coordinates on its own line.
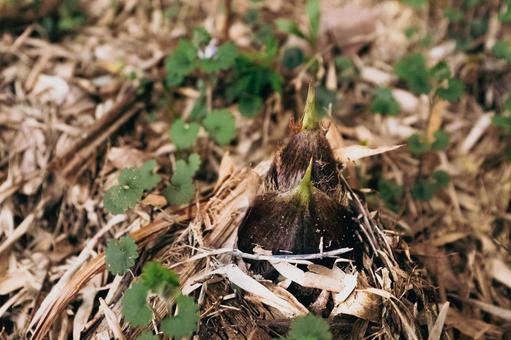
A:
(309, 327)
(502, 121)
(415, 3)
(223, 59)
(441, 179)
(478, 27)
(290, 27)
(417, 145)
(412, 69)
(384, 103)
(423, 190)
(183, 134)
(293, 57)
(391, 193)
(343, 63)
(135, 309)
(411, 31)
(220, 125)
(200, 37)
(505, 16)
(313, 12)
(181, 189)
(132, 183)
(180, 63)
(125, 195)
(453, 14)
(441, 141)
(472, 3)
(502, 50)
(507, 103)
(194, 163)
(114, 202)
(454, 90)
(441, 71)
(148, 179)
(185, 322)
(120, 255)
(250, 105)
(179, 193)
(147, 336)
(159, 279)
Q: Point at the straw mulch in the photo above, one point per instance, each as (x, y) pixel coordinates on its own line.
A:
(71, 116)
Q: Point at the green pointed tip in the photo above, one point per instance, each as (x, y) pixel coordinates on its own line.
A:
(305, 186)
(310, 116)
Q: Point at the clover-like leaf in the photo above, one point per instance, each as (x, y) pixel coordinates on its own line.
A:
(441, 141)
(222, 60)
(181, 189)
(412, 69)
(148, 179)
(179, 192)
(423, 189)
(503, 122)
(159, 279)
(194, 163)
(441, 71)
(135, 309)
(453, 91)
(250, 105)
(185, 322)
(384, 103)
(120, 255)
(391, 193)
(293, 57)
(220, 125)
(441, 179)
(418, 145)
(183, 134)
(502, 50)
(180, 63)
(147, 336)
(121, 197)
(309, 327)
(132, 183)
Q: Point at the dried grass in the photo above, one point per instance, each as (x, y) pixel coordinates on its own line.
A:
(437, 269)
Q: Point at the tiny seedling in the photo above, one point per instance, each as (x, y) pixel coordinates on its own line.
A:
(391, 193)
(502, 50)
(147, 336)
(132, 184)
(291, 27)
(181, 189)
(417, 4)
(156, 279)
(185, 322)
(418, 145)
(412, 69)
(220, 125)
(183, 134)
(120, 255)
(135, 309)
(309, 327)
(384, 103)
(426, 187)
(198, 55)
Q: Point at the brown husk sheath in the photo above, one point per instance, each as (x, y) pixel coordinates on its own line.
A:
(296, 222)
(290, 162)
